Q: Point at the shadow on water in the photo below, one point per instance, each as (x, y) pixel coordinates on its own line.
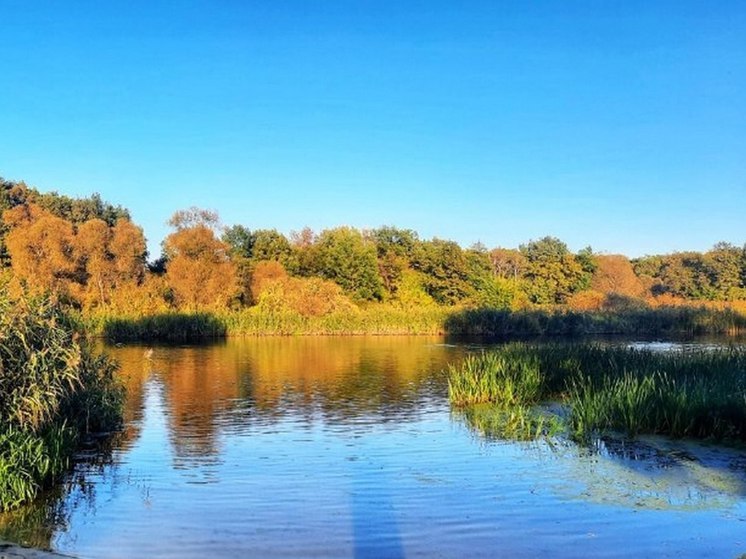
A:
(375, 528)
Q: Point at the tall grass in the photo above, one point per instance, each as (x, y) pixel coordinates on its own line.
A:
(661, 321)
(53, 391)
(374, 320)
(494, 378)
(387, 319)
(698, 394)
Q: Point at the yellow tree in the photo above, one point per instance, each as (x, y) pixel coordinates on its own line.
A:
(615, 274)
(198, 270)
(41, 249)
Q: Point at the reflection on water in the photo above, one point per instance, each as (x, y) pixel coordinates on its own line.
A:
(346, 447)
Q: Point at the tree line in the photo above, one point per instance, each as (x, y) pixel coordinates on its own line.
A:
(90, 255)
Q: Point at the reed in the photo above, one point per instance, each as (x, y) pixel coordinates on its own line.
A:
(661, 321)
(494, 378)
(53, 392)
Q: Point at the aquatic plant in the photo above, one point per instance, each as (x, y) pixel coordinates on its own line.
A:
(491, 377)
(698, 394)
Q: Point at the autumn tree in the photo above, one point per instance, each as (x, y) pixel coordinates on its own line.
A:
(41, 249)
(615, 274)
(198, 269)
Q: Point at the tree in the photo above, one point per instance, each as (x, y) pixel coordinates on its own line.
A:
(198, 269)
(615, 274)
(344, 256)
(41, 249)
(724, 263)
(507, 263)
(395, 249)
(445, 271)
(553, 274)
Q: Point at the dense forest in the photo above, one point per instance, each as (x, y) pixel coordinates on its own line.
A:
(90, 256)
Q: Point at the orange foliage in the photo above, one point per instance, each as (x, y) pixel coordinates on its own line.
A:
(586, 301)
(41, 248)
(199, 271)
(615, 274)
(88, 265)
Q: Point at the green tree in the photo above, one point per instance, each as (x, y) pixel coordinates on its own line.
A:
(344, 256)
(553, 273)
(395, 248)
(445, 270)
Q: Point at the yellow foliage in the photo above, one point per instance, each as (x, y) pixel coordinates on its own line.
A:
(305, 296)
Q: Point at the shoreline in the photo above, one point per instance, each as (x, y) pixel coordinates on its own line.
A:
(10, 550)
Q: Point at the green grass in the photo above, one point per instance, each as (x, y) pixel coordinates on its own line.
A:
(699, 394)
(53, 392)
(494, 378)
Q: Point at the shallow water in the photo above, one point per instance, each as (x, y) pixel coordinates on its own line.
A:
(346, 447)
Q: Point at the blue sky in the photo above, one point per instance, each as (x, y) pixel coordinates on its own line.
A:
(616, 124)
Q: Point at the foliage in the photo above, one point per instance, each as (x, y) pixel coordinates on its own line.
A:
(199, 270)
(445, 271)
(345, 257)
(88, 255)
(553, 273)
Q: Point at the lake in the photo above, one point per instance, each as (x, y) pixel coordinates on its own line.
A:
(347, 447)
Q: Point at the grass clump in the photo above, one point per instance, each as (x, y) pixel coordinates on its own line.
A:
(53, 392)
(496, 393)
(491, 377)
(698, 394)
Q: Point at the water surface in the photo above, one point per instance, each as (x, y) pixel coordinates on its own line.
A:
(346, 447)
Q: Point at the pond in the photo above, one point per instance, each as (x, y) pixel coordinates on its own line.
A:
(347, 447)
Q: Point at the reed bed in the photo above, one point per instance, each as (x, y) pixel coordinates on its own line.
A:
(53, 392)
(699, 394)
(175, 327)
(388, 319)
(660, 321)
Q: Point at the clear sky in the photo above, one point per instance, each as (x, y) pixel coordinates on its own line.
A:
(619, 124)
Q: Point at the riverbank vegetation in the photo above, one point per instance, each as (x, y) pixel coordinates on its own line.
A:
(698, 394)
(213, 280)
(54, 392)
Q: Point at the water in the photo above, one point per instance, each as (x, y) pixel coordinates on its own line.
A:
(346, 447)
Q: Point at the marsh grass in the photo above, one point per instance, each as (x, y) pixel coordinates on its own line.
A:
(494, 378)
(699, 394)
(660, 321)
(182, 327)
(390, 319)
(53, 392)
